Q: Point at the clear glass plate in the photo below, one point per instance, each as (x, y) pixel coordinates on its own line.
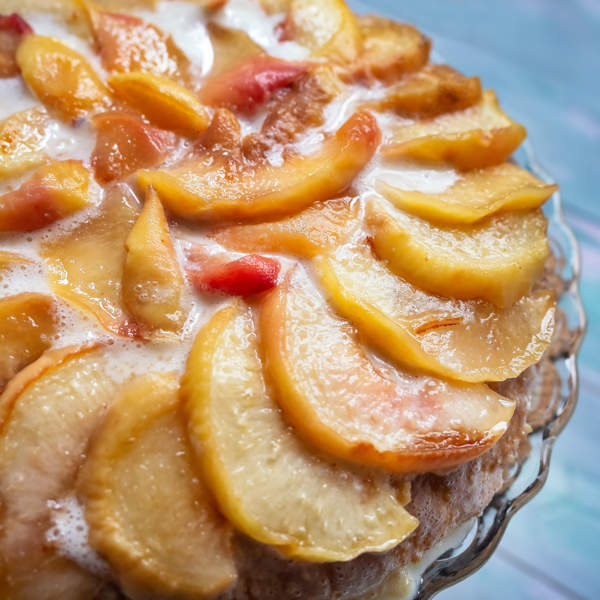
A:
(556, 395)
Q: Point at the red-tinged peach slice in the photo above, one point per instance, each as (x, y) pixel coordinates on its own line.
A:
(478, 137)
(153, 284)
(23, 138)
(12, 30)
(496, 259)
(47, 414)
(128, 43)
(204, 190)
(316, 230)
(468, 340)
(266, 481)
(61, 77)
(53, 192)
(343, 403)
(251, 83)
(126, 143)
(476, 195)
(140, 470)
(165, 103)
(27, 323)
(230, 47)
(85, 264)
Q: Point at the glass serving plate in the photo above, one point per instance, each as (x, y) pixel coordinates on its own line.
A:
(555, 392)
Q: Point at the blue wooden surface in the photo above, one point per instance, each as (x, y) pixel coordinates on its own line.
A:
(543, 59)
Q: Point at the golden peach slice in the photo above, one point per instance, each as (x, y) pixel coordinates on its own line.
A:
(266, 481)
(465, 340)
(434, 90)
(327, 27)
(275, 6)
(165, 103)
(9, 261)
(47, 415)
(345, 404)
(27, 323)
(496, 259)
(230, 47)
(317, 229)
(476, 195)
(478, 137)
(139, 471)
(128, 43)
(152, 281)
(85, 264)
(203, 189)
(390, 49)
(53, 192)
(23, 138)
(61, 77)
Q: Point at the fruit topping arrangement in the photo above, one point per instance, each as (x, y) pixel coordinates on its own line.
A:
(252, 292)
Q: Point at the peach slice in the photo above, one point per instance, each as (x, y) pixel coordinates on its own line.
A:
(327, 27)
(85, 264)
(23, 138)
(61, 77)
(266, 481)
(230, 47)
(27, 323)
(138, 471)
(53, 192)
(434, 90)
(165, 103)
(465, 340)
(125, 143)
(369, 414)
(47, 415)
(476, 195)
(203, 190)
(250, 83)
(152, 281)
(478, 137)
(390, 49)
(316, 230)
(10, 261)
(12, 30)
(496, 259)
(128, 43)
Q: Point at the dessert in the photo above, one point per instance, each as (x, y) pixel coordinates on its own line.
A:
(272, 296)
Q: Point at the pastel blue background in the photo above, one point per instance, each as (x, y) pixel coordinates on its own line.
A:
(543, 59)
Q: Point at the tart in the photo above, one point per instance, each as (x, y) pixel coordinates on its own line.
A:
(272, 294)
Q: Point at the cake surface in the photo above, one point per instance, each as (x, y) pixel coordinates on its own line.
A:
(272, 294)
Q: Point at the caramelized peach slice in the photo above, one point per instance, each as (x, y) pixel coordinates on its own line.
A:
(465, 340)
(27, 323)
(85, 264)
(152, 281)
(12, 29)
(47, 414)
(268, 484)
(496, 259)
(139, 470)
(61, 77)
(230, 47)
(23, 138)
(316, 230)
(327, 27)
(165, 103)
(478, 137)
(390, 49)
(128, 43)
(53, 192)
(202, 189)
(434, 90)
(369, 414)
(125, 143)
(250, 83)
(476, 195)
